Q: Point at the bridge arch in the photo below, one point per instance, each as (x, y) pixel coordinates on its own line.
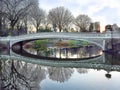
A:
(99, 41)
(96, 38)
(87, 40)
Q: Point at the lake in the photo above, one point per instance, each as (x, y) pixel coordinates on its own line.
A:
(65, 68)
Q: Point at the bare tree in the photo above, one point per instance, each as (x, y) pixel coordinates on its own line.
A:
(27, 18)
(37, 16)
(16, 10)
(16, 75)
(60, 17)
(3, 19)
(83, 22)
(1, 14)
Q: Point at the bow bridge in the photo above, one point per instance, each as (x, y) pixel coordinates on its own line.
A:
(96, 38)
(94, 63)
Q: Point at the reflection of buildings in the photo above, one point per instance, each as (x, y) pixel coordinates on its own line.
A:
(112, 59)
(60, 74)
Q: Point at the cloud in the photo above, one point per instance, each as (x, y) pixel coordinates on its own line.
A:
(105, 11)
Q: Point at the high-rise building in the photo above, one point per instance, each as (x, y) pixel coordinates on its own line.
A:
(113, 27)
(108, 27)
(91, 27)
(95, 27)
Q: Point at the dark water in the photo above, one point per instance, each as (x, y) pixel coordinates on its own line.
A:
(19, 75)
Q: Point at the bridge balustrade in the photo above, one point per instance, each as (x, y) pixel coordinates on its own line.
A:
(96, 38)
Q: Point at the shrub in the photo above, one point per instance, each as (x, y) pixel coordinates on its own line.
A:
(44, 30)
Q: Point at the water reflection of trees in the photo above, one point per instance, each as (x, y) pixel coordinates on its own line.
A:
(60, 74)
(82, 70)
(17, 75)
(63, 52)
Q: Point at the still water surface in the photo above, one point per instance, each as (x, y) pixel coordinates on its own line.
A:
(63, 49)
(20, 75)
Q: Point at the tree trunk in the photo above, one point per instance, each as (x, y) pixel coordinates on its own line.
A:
(60, 28)
(37, 29)
(12, 25)
(26, 24)
(54, 27)
(0, 23)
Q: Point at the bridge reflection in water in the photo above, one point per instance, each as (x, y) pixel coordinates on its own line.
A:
(24, 73)
(18, 71)
(100, 62)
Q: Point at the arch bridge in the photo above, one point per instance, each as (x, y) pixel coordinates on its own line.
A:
(96, 38)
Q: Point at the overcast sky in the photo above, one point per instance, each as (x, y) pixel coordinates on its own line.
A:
(104, 11)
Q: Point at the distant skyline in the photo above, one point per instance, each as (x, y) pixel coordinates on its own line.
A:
(104, 11)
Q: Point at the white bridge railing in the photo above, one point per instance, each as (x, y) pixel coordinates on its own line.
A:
(62, 35)
(96, 38)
